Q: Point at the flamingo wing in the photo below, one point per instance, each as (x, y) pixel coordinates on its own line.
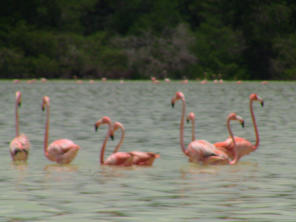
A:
(120, 159)
(144, 158)
(243, 146)
(62, 151)
(19, 148)
(198, 150)
(201, 151)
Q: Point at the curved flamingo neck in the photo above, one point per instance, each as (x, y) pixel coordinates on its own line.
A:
(255, 125)
(121, 139)
(182, 126)
(17, 128)
(45, 147)
(235, 159)
(104, 144)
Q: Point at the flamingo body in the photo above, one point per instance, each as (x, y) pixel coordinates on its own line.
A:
(243, 146)
(19, 148)
(120, 159)
(144, 158)
(202, 151)
(62, 151)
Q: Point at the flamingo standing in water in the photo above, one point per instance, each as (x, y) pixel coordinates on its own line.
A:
(200, 151)
(62, 151)
(244, 147)
(231, 116)
(117, 159)
(20, 145)
(139, 157)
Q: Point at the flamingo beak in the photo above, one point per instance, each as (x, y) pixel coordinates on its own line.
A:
(19, 104)
(96, 127)
(243, 124)
(173, 104)
(262, 103)
(187, 120)
(42, 108)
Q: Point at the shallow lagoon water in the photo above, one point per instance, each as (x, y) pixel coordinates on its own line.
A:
(261, 187)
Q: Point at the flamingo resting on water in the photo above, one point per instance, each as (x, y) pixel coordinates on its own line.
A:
(20, 145)
(62, 151)
(118, 158)
(139, 157)
(234, 157)
(199, 151)
(244, 147)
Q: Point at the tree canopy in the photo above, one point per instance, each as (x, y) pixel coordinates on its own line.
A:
(136, 39)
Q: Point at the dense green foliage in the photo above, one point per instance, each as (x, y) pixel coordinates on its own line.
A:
(252, 39)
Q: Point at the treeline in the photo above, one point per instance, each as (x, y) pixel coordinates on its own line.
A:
(231, 39)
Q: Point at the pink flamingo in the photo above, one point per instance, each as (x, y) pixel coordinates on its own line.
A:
(43, 80)
(234, 157)
(62, 151)
(139, 157)
(117, 159)
(200, 151)
(167, 80)
(244, 147)
(20, 145)
(191, 117)
(233, 116)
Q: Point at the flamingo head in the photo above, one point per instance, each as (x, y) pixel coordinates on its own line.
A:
(105, 120)
(234, 116)
(18, 96)
(45, 102)
(117, 125)
(178, 96)
(254, 96)
(191, 116)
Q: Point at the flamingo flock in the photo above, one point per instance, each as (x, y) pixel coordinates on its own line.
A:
(64, 151)
(202, 151)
